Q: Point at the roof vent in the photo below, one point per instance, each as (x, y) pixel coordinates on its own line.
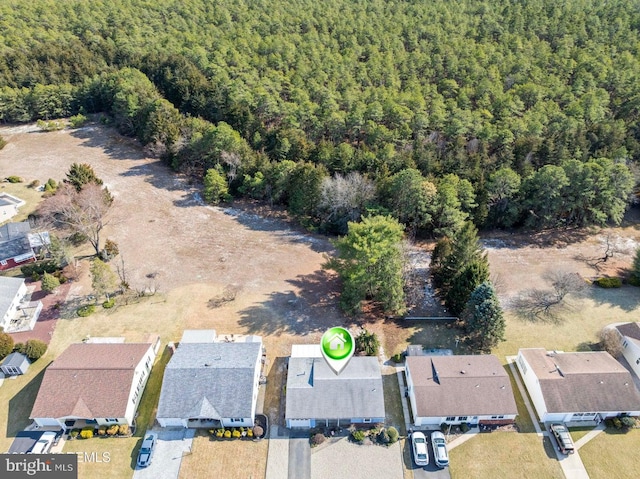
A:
(217, 357)
(477, 385)
(502, 387)
(601, 382)
(463, 371)
(206, 365)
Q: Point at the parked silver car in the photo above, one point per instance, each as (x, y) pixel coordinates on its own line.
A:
(561, 433)
(440, 453)
(146, 450)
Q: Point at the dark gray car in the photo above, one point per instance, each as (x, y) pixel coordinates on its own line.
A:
(146, 450)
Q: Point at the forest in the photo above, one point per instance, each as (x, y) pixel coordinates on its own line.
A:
(507, 113)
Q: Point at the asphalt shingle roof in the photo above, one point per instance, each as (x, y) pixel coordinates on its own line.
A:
(315, 391)
(582, 382)
(210, 380)
(89, 380)
(9, 287)
(466, 385)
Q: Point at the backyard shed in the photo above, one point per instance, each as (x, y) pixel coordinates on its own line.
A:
(15, 364)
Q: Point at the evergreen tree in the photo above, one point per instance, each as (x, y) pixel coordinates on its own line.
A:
(483, 318)
(471, 276)
(370, 264)
(81, 174)
(49, 282)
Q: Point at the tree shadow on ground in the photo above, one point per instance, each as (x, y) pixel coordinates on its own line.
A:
(21, 404)
(557, 237)
(627, 297)
(311, 309)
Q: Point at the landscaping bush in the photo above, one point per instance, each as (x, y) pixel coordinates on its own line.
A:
(112, 430)
(14, 179)
(249, 432)
(34, 184)
(19, 347)
(74, 433)
(102, 430)
(123, 429)
(397, 358)
(258, 431)
(617, 423)
(444, 427)
(628, 421)
(41, 267)
(317, 439)
(50, 186)
(227, 433)
(6, 345)
(464, 427)
(109, 304)
(85, 311)
(608, 282)
(219, 432)
(86, 433)
(78, 120)
(383, 437)
(49, 283)
(35, 349)
(358, 436)
(393, 434)
(236, 433)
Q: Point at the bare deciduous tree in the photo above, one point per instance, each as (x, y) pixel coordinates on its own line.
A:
(547, 303)
(343, 198)
(610, 341)
(85, 212)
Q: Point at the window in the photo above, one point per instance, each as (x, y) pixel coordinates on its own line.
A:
(3, 262)
(500, 417)
(522, 365)
(625, 344)
(111, 419)
(462, 418)
(494, 417)
(451, 418)
(366, 419)
(236, 420)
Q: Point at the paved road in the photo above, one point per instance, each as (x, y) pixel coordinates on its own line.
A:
(171, 446)
(299, 455)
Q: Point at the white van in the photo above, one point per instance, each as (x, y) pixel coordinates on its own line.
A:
(44, 443)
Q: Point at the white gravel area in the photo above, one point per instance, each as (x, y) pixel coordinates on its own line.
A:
(346, 459)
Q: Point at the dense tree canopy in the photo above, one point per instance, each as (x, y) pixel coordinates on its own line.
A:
(487, 101)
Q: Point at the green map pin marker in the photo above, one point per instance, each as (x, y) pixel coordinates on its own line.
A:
(337, 347)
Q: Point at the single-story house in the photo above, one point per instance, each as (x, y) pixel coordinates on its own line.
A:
(9, 205)
(211, 383)
(18, 245)
(629, 334)
(17, 314)
(577, 386)
(472, 389)
(317, 396)
(94, 383)
(15, 364)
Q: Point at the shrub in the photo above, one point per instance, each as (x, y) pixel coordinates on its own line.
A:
(393, 434)
(34, 184)
(41, 267)
(383, 437)
(249, 432)
(50, 125)
(35, 349)
(358, 436)
(219, 432)
(443, 427)
(85, 311)
(74, 433)
(76, 121)
(14, 179)
(123, 429)
(317, 439)
(464, 427)
(86, 433)
(236, 433)
(634, 281)
(113, 430)
(628, 421)
(227, 433)
(49, 283)
(3, 143)
(617, 423)
(397, 358)
(258, 431)
(51, 185)
(109, 304)
(19, 347)
(6, 345)
(608, 282)
(102, 430)
(367, 343)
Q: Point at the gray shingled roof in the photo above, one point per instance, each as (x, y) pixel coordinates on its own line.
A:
(465, 385)
(631, 330)
(582, 381)
(315, 391)
(9, 287)
(210, 380)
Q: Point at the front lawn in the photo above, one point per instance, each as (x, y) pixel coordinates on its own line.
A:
(110, 458)
(231, 458)
(612, 454)
(507, 455)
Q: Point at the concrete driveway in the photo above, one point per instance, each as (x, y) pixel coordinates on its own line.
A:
(299, 455)
(172, 445)
(430, 471)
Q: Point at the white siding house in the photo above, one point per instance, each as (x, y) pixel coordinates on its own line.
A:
(472, 389)
(630, 344)
(577, 386)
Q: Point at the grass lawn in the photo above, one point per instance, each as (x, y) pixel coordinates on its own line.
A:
(392, 403)
(149, 402)
(29, 195)
(579, 432)
(612, 454)
(104, 457)
(235, 459)
(506, 455)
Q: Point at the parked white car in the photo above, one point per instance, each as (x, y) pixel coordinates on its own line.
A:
(419, 447)
(439, 444)
(43, 444)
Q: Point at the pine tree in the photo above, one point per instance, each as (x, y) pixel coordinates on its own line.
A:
(484, 321)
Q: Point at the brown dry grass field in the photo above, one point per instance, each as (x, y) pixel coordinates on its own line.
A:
(190, 253)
